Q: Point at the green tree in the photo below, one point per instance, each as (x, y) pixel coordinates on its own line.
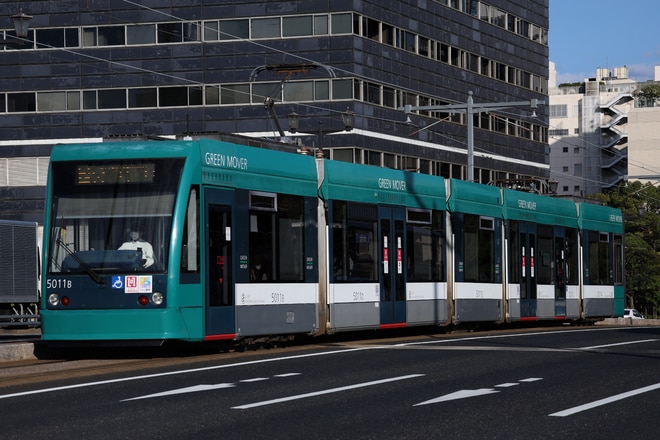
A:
(640, 204)
(649, 94)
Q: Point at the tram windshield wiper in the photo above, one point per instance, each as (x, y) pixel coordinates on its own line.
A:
(86, 267)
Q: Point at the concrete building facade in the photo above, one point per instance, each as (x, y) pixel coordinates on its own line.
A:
(589, 132)
(97, 70)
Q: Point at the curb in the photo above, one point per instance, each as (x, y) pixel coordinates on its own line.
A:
(17, 352)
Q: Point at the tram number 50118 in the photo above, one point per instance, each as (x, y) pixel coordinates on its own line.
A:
(58, 283)
(277, 298)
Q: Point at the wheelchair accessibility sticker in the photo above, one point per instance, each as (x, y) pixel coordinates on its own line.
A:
(133, 283)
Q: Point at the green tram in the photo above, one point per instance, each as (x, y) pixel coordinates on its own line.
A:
(603, 292)
(208, 240)
(542, 257)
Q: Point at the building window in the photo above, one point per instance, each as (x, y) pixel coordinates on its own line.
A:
(342, 89)
(212, 95)
(373, 158)
(173, 96)
(140, 98)
(235, 94)
(322, 90)
(265, 28)
(299, 91)
(297, 26)
(109, 99)
(321, 25)
(89, 100)
(558, 111)
(51, 101)
(21, 102)
(341, 23)
(104, 36)
(343, 154)
(141, 34)
(67, 37)
(261, 91)
(177, 32)
(234, 29)
(73, 100)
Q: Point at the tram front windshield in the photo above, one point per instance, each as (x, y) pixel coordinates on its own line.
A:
(112, 216)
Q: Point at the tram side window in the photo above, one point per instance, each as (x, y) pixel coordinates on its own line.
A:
(545, 256)
(425, 246)
(190, 236)
(599, 258)
(479, 248)
(276, 237)
(354, 232)
(571, 257)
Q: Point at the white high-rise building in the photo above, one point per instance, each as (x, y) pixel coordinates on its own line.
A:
(589, 133)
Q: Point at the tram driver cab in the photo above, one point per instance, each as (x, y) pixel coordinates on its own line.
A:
(137, 243)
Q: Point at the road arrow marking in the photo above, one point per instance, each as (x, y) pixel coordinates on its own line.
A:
(463, 394)
(193, 389)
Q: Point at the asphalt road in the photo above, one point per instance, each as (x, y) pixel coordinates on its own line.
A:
(566, 383)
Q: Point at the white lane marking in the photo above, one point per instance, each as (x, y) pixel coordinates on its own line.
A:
(287, 375)
(507, 385)
(617, 344)
(476, 338)
(607, 400)
(198, 388)
(531, 379)
(174, 373)
(255, 362)
(463, 394)
(323, 392)
(193, 389)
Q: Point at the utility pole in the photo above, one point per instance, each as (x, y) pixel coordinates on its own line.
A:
(470, 109)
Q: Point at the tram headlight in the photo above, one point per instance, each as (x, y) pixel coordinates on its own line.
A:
(157, 298)
(53, 299)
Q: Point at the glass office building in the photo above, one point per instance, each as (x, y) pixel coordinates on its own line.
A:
(97, 70)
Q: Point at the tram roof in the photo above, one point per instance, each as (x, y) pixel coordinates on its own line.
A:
(475, 198)
(372, 184)
(602, 218)
(521, 205)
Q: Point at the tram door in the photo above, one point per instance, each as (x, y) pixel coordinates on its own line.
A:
(220, 316)
(527, 243)
(392, 261)
(561, 272)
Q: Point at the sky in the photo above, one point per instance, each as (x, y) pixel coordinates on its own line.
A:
(587, 34)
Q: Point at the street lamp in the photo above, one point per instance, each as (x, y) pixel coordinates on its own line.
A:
(21, 23)
(470, 109)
